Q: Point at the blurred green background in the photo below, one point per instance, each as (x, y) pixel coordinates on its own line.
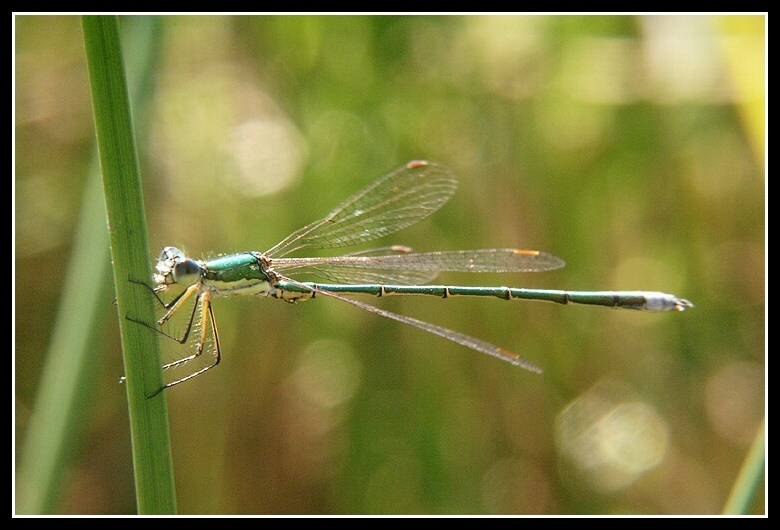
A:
(631, 147)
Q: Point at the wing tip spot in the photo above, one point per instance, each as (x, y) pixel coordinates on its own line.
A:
(415, 164)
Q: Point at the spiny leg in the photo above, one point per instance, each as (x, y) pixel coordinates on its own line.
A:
(171, 308)
(207, 313)
(207, 320)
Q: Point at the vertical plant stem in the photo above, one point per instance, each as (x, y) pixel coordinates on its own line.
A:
(743, 493)
(130, 255)
(68, 374)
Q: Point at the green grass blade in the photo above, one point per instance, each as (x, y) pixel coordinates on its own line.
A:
(130, 255)
(743, 493)
(68, 371)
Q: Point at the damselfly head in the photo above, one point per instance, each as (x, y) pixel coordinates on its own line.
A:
(173, 266)
(168, 259)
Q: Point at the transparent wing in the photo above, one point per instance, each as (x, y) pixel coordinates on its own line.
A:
(393, 202)
(449, 334)
(418, 268)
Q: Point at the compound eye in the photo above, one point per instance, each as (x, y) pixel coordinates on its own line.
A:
(186, 272)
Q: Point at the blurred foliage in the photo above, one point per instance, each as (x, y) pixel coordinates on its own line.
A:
(631, 147)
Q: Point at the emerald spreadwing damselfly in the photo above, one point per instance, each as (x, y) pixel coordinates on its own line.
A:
(395, 201)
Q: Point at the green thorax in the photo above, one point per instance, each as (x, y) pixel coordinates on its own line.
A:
(237, 274)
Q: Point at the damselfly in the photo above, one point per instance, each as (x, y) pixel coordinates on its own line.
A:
(395, 201)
